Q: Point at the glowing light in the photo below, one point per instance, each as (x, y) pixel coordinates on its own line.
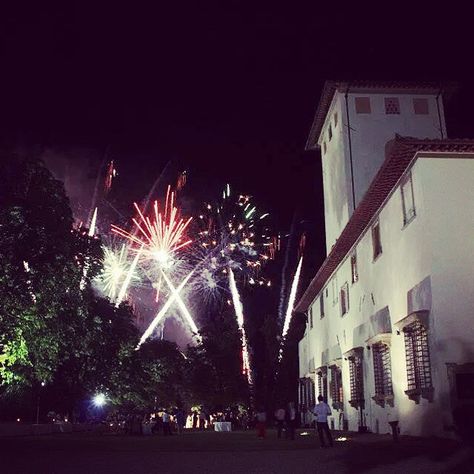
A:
(99, 400)
(341, 438)
(291, 300)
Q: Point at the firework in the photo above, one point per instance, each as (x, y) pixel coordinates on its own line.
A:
(232, 234)
(181, 304)
(163, 311)
(291, 299)
(117, 273)
(239, 312)
(93, 224)
(162, 235)
(110, 174)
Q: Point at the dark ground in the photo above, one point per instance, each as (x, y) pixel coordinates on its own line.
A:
(238, 452)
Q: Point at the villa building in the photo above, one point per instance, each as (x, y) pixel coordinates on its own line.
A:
(390, 313)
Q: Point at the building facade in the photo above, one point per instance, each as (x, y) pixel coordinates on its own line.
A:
(390, 333)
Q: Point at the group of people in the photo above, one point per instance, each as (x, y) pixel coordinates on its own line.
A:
(286, 420)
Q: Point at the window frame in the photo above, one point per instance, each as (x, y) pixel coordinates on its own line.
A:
(392, 103)
(336, 387)
(377, 248)
(344, 298)
(322, 314)
(418, 361)
(382, 366)
(362, 105)
(408, 213)
(420, 109)
(354, 268)
(356, 378)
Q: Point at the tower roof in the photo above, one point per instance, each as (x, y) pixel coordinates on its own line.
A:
(369, 87)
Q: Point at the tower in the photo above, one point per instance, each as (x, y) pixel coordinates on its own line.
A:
(353, 122)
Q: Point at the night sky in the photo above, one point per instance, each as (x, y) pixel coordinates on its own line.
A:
(224, 89)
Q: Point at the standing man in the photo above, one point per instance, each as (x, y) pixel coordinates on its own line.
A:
(261, 417)
(166, 423)
(322, 411)
(280, 420)
(291, 421)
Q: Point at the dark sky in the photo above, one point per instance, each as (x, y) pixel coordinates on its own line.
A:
(227, 89)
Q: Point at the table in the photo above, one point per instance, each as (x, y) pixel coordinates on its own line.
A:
(222, 426)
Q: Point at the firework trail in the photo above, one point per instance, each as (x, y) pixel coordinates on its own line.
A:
(283, 273)
(130, 275)
(291, 300)
(92, 227)
(163, 311)
(239, 311)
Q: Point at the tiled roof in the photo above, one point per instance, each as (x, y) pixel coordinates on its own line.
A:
(399, 154)
(330, 87)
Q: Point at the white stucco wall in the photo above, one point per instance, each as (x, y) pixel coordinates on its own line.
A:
(369, 134)
(437, 244)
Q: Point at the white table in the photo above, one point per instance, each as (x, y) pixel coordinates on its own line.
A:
(222, 426)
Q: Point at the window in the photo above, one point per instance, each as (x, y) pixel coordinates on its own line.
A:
(357, 381)
(408, 201)
(420, 106)
(321, 305)
(362, 105)
(382, 372)
(335, 119)
(344, 299)
(330, 132)
(335, 291)
(323, 382)
(310, 317)
(324, 148)
(336, 387)
(417, 360)
(376, 243)
(392, 106)
(354, 271)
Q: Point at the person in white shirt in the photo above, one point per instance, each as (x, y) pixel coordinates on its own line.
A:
(322, 411)
(280, 419)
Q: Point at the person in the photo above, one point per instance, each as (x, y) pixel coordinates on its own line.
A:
(202, 419)
(322, 411)
(180, 420)
(195, 419)
(280, 420)
(261, 417)
(166, 423)
(291, 421)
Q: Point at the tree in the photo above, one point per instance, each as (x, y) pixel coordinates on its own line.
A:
(214, 368)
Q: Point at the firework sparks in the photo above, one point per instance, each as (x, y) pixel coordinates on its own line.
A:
(291, 299)
(234, 236)
(160, 236)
